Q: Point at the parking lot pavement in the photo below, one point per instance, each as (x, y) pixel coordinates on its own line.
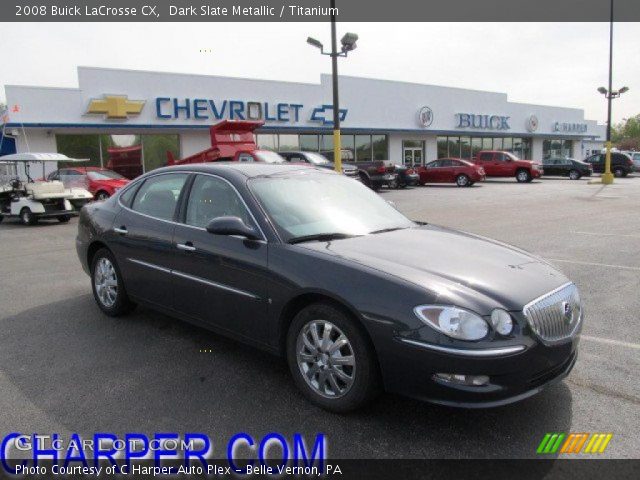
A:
(65, 367)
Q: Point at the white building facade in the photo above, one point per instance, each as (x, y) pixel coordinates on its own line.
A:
(404, 122)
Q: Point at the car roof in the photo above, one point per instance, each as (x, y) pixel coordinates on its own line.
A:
(245, 169)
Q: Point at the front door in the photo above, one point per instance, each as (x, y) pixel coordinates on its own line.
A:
(412, 156)
(219, 279)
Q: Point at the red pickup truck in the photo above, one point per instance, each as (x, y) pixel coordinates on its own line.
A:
(231, 140)
(505, 164)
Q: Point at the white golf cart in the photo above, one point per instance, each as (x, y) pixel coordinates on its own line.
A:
(31, 200)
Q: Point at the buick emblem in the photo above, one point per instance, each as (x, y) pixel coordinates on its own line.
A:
(532, 123)
(425, 117)
(567, 313)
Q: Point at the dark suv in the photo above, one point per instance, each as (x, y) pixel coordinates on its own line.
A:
(621, 163)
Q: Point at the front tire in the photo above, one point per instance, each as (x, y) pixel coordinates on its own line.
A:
(27, 217)
(463, 180)
(523, 176)
(331, 359)
(107, 285)
(574, 175)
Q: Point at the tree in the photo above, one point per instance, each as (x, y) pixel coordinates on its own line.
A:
(626, 134)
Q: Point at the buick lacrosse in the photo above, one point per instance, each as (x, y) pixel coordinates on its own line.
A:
(314, 266)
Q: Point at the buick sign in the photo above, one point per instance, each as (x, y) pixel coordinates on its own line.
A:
(483, 122)
(425, 117)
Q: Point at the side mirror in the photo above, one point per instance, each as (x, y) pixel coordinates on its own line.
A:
(232, 226)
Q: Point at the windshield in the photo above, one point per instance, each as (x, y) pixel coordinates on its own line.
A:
(317, 159)
(268, 156)
(103, 175)
(315, 203)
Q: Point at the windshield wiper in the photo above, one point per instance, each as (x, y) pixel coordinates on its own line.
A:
(321, 237)
(385, 230)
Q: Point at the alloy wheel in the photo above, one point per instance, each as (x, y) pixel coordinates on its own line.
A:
(106, 282)
(325, 358)
(462, 180)
(523, 176)
(573, 175)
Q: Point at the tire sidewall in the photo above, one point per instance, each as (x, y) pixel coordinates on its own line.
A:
(574, 175)
(122, 304)
(466, 182)
(366, 382)
(523, 179)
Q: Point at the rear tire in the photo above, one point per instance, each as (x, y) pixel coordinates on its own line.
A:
(27, 217)
(335, 367)
(64, 218)
(523, 176)
(618, 172)
(574, 175)
(394, 184)
(107, 285)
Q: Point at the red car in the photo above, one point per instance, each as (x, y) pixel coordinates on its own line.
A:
(451, 170)
(101, 182)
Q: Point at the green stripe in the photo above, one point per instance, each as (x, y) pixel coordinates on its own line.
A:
(558, 443)
(543, 443)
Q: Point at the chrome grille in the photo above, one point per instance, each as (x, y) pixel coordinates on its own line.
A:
(555, 316)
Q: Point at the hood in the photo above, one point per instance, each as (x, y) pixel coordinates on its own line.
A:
(455, 266)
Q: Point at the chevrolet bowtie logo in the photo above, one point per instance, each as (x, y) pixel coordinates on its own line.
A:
(115, 106)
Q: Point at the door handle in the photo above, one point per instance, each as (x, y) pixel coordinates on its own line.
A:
(187, 246)
(122, 230)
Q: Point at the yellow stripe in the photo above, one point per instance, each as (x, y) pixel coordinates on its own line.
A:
(607, 439)
(590, 444)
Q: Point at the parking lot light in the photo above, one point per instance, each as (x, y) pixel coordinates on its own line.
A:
(348, 43)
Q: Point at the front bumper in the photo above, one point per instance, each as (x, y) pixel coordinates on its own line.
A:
(410, 179)
(535, 173)
(409, 368)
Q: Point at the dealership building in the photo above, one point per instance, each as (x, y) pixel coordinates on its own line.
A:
(113, 112)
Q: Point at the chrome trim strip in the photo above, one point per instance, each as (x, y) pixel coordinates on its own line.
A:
(214, 284)
(149, 265)
(485, 352)
(194, 278)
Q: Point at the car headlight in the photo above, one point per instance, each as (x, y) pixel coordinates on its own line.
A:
(501, 321)
(453, 321)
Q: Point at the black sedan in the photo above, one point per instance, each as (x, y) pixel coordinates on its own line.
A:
(310, 265)
(566, 167)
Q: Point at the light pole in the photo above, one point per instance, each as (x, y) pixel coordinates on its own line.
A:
(610, 94)
(348, 44)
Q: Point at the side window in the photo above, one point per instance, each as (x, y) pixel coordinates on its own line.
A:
(158, 196)
(446, 163)
(128, 194)
(485, 156)
(211, 198)
(54, 175)
(245, 157)
(434, 164)
(501, 157)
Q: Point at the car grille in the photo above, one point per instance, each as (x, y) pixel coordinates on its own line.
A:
(555, 316)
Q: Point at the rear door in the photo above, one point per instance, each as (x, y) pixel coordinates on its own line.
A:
(220, 280)
(142, 238)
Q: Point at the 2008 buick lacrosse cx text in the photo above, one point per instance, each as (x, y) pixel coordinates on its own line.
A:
(314, 266)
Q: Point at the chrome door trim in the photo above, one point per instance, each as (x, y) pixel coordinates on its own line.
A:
(194, 278)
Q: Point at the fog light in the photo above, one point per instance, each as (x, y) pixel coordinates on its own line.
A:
(471, 380)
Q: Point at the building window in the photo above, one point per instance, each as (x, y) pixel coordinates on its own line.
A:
(443, 151)
(380, 150)
(557, 148)
(363, 148)
(309, 143)
(267, 141)
(80, 146)
(288, 142)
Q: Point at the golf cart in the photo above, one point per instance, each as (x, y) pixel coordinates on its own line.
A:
(31, 200)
